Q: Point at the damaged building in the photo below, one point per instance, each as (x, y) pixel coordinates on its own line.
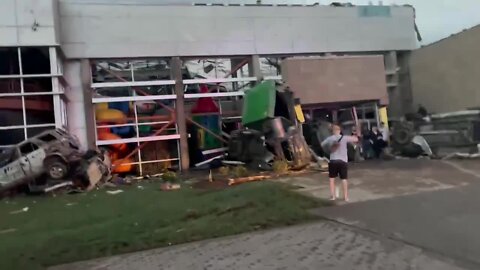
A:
(159, 84)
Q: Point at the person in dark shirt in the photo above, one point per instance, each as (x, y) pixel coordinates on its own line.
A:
(377, 141)
(422, 111)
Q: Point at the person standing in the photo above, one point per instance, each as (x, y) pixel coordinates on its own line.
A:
(385, 133)
(377, 141)
(338, 165)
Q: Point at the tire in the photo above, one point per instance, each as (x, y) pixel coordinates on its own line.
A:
(56, 168)
(403, 134)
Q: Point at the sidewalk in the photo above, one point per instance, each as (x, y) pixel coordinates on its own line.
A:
(321, 245)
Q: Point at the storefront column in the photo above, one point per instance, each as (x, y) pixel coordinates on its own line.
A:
(79, 121)
(176, 66)
(254, 69)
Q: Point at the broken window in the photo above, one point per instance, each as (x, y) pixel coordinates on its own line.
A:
(47, 138)
(9, 61)
(35, 60)
(10, 86)
(37, 130)
(11, 136)
(28, 148)
(37, 85)
(39, 110)
(11, 113)
(29, 84)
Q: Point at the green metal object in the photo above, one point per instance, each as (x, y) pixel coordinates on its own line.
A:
(143, 129)
(259, 103)
(205, 140)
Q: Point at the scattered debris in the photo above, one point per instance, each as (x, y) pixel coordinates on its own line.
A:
(210, 177)
(8, 231)
(463, 156)
(420, 141)
(75, 191)
(116, 180)
(232, 162)
(240, 171)
(170, 176)
(109, 184)
(114, 192)
(242, 180)
(140, 187)
(272, 121)
(57, 186)
(25, 209)
(224, 170)
(71, 204)
(169, 186)
(96, 171)
(280, 166)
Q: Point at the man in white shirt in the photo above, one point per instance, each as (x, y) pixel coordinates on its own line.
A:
(338, 166)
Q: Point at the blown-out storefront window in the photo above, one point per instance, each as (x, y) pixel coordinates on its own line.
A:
(31, 92)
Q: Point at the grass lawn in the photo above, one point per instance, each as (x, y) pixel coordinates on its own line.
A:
(70, 228)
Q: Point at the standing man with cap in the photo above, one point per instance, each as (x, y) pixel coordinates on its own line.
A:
(338, 166)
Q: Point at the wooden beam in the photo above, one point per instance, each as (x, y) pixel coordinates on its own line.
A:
(176, 68)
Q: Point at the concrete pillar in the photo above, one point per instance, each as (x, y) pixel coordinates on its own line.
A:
(394, 95)
(335, 116)
(176, 67)
(404, 82)
(377, 115)
(76, 73)
(234, 62)
(254, 69)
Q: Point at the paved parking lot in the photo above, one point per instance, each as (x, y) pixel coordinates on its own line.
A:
(373, 180)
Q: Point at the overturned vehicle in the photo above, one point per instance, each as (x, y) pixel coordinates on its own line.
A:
(45, 161)
(271, 119)
(437, 135)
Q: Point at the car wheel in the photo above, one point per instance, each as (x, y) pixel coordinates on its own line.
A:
(403, 134)
(56, 168)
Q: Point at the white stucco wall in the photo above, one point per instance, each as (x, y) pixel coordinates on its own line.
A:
(28, 23)
(122, 30)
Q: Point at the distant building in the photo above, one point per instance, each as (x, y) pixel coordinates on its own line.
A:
(445, 76)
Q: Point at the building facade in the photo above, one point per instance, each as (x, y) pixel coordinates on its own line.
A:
(445, 75)
(121, 74)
